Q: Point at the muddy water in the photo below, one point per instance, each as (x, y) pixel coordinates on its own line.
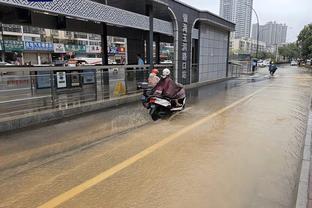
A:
(248, 156)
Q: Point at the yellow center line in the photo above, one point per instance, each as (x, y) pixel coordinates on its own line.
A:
(115, 169)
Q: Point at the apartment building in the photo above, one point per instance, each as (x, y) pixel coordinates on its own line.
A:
(246, 46)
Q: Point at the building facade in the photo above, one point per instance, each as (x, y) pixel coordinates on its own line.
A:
(143, 24)
(239, 12)
(226, 9)
(271, 33)
(246, 46)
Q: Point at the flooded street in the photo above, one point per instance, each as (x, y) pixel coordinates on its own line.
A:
(238, 144)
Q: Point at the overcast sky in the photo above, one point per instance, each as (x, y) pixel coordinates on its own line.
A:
(294, 13)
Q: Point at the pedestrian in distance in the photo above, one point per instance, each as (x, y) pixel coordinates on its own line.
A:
(140, 60)
(254, 65)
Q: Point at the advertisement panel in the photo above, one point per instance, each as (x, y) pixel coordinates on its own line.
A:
(94, 49)
(59, 48)
(75, 48)
(13, 45)
(75, 79)
(38, 46)
(61, 79)
(89, 76)
(43, 79)
(116, 50)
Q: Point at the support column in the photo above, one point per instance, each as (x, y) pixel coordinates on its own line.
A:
(228, 55)
(151, 35)
(3, 56)
(157, 49)
(104, 44)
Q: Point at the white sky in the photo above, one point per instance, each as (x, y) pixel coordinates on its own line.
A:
(294, 13)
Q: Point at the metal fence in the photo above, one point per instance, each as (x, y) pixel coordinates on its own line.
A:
(33, 89)
(240, 67)
(235, 69)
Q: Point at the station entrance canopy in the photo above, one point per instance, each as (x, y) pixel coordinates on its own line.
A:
(97, 12)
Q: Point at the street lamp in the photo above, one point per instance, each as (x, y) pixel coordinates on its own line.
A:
(258, 32)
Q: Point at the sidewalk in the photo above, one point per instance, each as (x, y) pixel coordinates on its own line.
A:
(304, 196)
(36, 118)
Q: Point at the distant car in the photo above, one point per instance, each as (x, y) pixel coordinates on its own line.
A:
(261, 64)
(293, 63)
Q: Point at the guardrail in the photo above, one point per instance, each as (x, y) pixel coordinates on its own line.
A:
(32, 89)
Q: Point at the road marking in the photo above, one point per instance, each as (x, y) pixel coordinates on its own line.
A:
(110, 172)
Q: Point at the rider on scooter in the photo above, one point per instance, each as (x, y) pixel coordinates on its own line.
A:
(168, 88)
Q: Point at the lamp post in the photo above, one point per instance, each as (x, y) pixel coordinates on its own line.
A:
(258, 32)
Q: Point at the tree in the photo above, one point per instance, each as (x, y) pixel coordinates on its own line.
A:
(290, 51)
(305, 42)
(264, 55)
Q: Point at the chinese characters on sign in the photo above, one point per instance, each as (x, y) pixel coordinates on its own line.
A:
(184, 45)
(13, 45)
(38, 46)
(76, 48)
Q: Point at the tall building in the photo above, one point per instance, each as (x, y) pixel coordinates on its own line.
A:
(239, 12)
(242, 18)
(226, 9)
(271, 33)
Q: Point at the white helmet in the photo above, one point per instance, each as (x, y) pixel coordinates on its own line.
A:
(166, 72)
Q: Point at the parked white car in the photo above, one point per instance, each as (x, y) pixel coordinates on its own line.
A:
(293, 63)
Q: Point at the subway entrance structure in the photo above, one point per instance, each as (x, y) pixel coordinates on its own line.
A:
(201, 39)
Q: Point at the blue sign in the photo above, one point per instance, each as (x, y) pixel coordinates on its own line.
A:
(40, 0)
(38, 46)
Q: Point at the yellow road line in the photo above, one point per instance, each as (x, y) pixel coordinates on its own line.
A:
(108, 173)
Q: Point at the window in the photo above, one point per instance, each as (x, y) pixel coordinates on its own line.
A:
(32, 30)
(68, 34)
(12, 28)
(96, 43)
(81, 42)
(94, 37)
(55, 32)
(80, 35)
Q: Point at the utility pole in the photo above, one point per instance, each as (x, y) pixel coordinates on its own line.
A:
(258, 29)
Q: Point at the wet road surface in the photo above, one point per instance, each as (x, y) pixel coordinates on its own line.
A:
(238, 144)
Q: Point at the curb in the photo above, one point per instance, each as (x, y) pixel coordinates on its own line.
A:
(22, 121)
(303, 188)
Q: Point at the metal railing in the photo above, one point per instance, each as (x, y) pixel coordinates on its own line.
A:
(241, 67)
(32, 89)
(235, 69)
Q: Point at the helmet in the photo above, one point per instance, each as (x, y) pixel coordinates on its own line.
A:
(155, 71)
(166, 72)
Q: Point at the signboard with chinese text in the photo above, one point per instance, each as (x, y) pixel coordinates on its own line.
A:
(94, 49)
(13, 45)
(38, 46)
(75, 48)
